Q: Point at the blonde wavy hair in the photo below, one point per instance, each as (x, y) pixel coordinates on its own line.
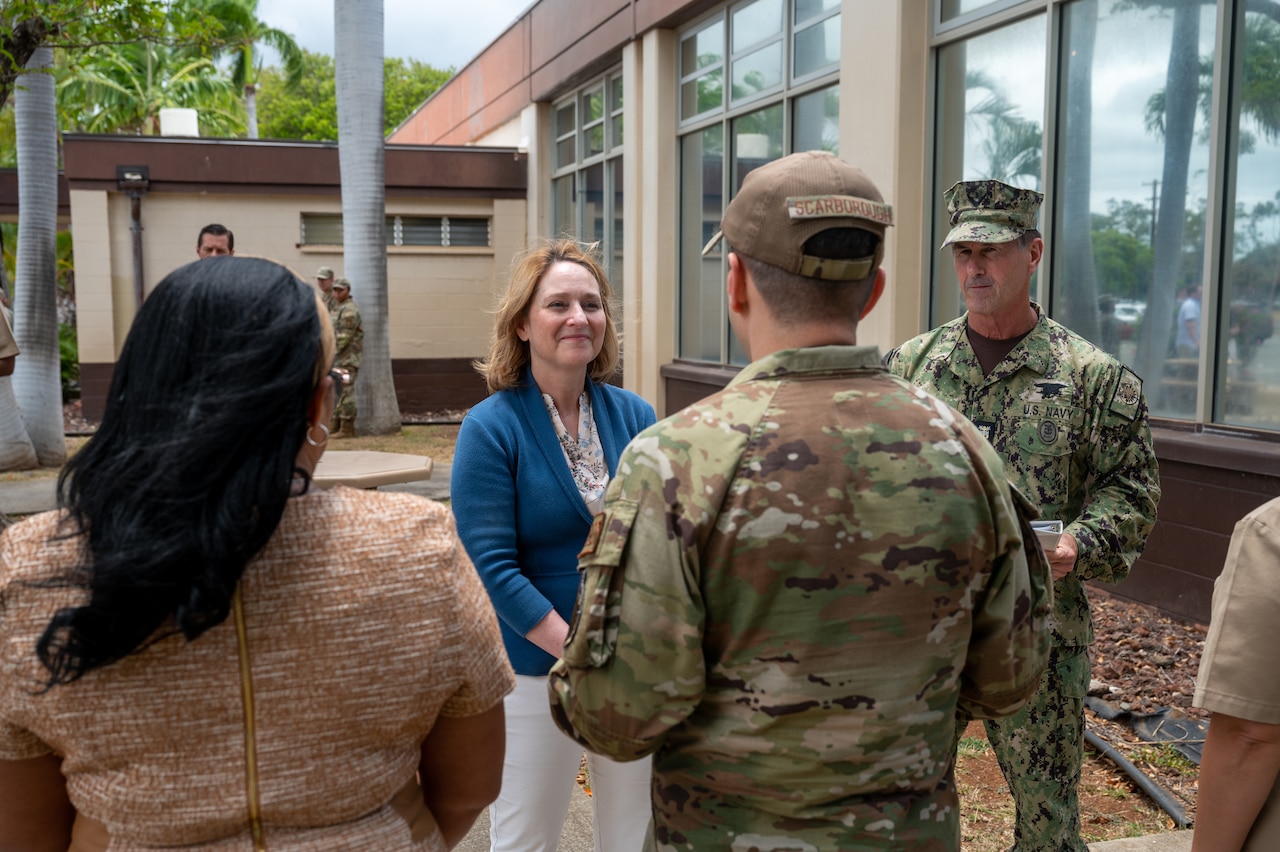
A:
(508, 354)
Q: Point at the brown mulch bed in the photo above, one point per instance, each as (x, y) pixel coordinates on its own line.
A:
(1144, 660)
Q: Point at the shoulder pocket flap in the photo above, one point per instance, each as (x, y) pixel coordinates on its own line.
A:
(593, 635)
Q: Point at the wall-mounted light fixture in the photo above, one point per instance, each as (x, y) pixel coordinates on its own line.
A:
(134, 181)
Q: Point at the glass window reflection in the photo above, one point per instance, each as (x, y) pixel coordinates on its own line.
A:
(990, 119)
(702, 204)
(1133, 183)
(1248, 374)
(816, 121)
(817, 47)
(756, 22)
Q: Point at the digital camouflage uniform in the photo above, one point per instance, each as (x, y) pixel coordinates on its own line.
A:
(792, 587)
(1071, 424)
(349, 334)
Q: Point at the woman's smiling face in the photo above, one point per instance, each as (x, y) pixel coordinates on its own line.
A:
(565, 323)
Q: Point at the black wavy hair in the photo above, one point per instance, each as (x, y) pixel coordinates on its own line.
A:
(188, 475)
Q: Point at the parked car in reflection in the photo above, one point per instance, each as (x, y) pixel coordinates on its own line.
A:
(1128, 311)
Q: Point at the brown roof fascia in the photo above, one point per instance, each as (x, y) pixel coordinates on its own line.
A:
(9, 196)
(288, 167)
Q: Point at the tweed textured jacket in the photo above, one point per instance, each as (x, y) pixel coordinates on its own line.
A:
(365, 621)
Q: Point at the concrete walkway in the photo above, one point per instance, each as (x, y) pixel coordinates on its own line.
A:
(1174, 841)
(29, 496)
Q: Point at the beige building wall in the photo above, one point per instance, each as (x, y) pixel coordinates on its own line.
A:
(441, 300)
(439, 297)
(652, 174)
(95, 301)
(884, 126)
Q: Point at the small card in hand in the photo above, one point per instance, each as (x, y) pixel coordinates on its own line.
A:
(1048, 532)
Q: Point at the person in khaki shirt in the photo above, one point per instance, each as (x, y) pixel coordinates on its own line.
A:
(1239, 800)
(8, 347)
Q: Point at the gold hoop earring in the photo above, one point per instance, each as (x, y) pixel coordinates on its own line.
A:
(323, 428)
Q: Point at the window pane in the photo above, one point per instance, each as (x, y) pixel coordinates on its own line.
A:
(816, 121)
(468, 231)
(755, 22)
(701, 205)
(817, 47)
(322, 229)
(421, 231)
(566, 151)
(1248, 377)
(566, 119)
(593, 140)
(593, 105)
(592, 200)
(1133, 148)
(562, 218)
(990, 119)
(703, 48)
(615, 242)
(703, 94)
(615, 132)
(806, 9)
(757, 72)
(615, 94)
(757, 139)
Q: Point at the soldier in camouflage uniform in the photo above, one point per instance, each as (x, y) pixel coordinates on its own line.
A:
(796, 582)
(349, 334)
(1070, 422)
(324, 281)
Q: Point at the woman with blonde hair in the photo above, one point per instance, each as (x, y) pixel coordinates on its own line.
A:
(529, 475)
(203, 651)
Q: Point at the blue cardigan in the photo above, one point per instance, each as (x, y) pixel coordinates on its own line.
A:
(520, 515)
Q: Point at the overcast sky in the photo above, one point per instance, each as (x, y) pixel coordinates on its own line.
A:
(442, 33)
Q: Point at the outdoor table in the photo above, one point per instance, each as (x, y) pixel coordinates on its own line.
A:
(369, 469)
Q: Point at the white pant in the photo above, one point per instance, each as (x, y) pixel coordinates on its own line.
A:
(539, 775)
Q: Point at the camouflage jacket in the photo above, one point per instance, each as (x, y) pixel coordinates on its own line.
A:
(793, 584)
(1070, 422)
(330, 303)
(349, 331)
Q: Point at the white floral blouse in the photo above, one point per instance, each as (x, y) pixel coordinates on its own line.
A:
(584, 452)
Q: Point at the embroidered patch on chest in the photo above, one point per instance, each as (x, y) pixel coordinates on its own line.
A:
(1048, 389)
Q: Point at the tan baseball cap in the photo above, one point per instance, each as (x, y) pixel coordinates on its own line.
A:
(324, 272)
(341, 284)
(784, 203)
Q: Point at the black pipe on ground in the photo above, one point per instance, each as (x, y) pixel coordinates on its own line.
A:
(1158, 794)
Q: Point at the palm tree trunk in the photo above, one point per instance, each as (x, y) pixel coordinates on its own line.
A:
(358, 78)
(37, 387)
(251, 110)
(1181, 92)
(1081, 294)
(16, 452)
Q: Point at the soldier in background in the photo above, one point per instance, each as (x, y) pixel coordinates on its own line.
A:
(1070, 422)
(324, 281)
(796, 581)
(349, 334)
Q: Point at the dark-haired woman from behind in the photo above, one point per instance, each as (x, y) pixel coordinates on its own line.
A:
(199, 650)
